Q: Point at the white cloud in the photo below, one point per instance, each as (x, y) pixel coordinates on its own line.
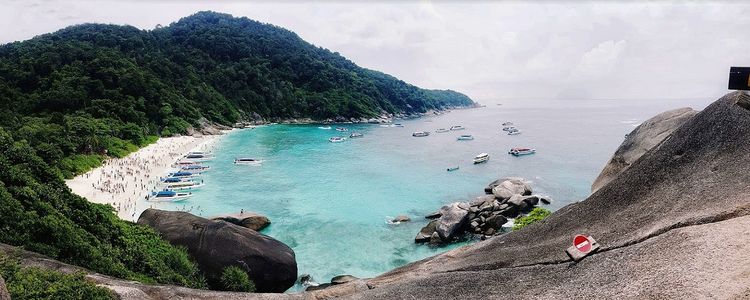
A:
(488, 50)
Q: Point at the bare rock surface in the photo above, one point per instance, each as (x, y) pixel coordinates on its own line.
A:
(644, 137)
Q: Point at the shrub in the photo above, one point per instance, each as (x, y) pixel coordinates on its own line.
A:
(235, 279)
(37, 283)
(535, 215)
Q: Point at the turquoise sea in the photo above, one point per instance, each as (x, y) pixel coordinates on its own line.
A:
(330, 201)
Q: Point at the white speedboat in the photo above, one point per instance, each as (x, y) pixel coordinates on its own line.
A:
(398, 125)
(336, 139)
(508, 124)
(521, 151)
(509, 128)
(184, 174)
(481, 158)
(198, 157)
(341, 129)
(441, 130)
(514, 132)
(247, 161)
(325, 127)
(205, 153)
(194, 168)
(457, 127)
(420, 133)
(355, 135)
(465, 137)
(168, 196)
(184, 186)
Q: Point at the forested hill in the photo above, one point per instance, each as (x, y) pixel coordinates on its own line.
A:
(208, 65)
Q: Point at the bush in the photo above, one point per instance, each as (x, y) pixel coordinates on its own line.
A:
(235, 279)
(37, 283)
(535, 215)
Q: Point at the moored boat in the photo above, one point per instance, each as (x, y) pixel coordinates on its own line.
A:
(184, 186)
(336, 139)
(247, 161)
(183, 174)
(508, 124)
(420, 133)
(198, 157)
(194, 168)
(521, 151)
(514, 132)
(481, 158)
(168, 196)
(509, 128)
(324, 127)
(398, 125)
(465, 137)
(355, 135)
(441, 130)
(457, 127)
(451, 169)
(342, 129)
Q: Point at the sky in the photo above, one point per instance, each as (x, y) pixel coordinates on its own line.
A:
(490, 51)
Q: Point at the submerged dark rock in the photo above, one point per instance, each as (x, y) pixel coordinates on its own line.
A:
(215, 245)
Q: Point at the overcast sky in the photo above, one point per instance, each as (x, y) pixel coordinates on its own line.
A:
(488, 50)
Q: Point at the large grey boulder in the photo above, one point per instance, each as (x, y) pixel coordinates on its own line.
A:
(250, 220)
(426, 232)
(214, 245)
(452, 218)
(642, 139)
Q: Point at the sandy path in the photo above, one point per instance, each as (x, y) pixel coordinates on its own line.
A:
(124, 182)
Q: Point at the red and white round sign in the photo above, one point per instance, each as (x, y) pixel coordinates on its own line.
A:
(582, 243)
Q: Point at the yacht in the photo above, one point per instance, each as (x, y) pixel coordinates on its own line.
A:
(247, 161)
(521, 151)
(457, 127)
(336, 139)
(325, 127)
(465, 137)
(441, 130)
(342, 129)
(355, 135)
(481, 158)
(168, 196)
(420, 133)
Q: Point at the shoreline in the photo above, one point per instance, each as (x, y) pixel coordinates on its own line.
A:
(124, 183)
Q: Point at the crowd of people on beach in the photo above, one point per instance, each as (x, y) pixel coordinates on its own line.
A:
(126, 183)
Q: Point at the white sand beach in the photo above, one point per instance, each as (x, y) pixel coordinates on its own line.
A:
(125, 182)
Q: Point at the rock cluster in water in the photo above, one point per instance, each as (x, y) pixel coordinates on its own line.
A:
(250, 220)
(485, 216)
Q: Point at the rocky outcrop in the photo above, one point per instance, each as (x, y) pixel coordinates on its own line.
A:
(214, 245)
(250, 220)
(673, 225)
(484, 216)
(644, 137)
(4, 295)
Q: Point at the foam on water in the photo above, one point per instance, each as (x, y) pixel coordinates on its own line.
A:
(328, 201)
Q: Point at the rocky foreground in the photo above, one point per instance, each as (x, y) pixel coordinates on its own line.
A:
(673, 224)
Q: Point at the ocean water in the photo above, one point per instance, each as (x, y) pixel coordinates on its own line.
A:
(330, 201)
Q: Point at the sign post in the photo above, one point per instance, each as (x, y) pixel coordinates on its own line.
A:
(582, 246)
